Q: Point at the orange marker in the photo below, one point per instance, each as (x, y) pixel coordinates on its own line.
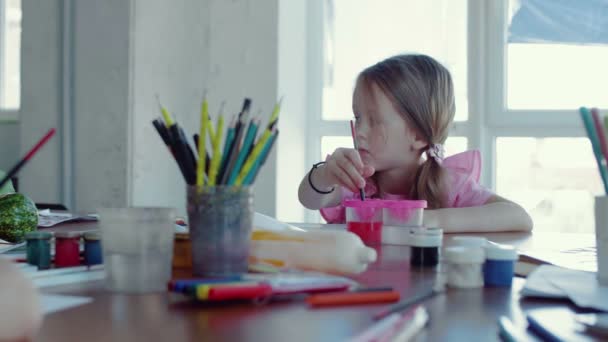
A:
(353, 298)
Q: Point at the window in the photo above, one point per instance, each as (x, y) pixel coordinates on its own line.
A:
(556, 54)
(359, 33)
(555, 179)
(10, 46)
(550, 61)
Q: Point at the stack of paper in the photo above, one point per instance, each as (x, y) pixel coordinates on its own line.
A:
(580, 287)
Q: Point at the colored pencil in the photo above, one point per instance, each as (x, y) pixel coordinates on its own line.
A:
(591, 133)
(601, 133)
(234, 151)
(354, 134)
(215, 162)
(202, 149)
(243, 153)
(252, 157)
(15, 169)
(252, 175)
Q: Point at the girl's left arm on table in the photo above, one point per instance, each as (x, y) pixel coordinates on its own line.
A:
(496, 215)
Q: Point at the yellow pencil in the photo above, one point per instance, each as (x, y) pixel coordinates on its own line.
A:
(168, 121)
(217, 156)
(275, 111)
(252, 157)
(200, 170)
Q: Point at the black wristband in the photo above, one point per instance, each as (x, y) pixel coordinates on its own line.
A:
(312, 185)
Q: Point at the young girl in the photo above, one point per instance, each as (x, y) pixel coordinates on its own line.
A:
(403, 108)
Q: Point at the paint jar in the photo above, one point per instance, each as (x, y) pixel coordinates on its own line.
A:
(92, 248)
(397, 216)
(137, 246)
(38, 245)
(220, 221)
(464, 266)
(67, 249)
(425, 246)
(364, 218)
(499, 267)
(182, 252)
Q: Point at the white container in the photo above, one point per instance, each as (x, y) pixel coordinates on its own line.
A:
(337, 252)
(601, 238)
(464, 266)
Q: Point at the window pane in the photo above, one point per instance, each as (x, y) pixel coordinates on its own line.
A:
(330, 144)
(555, 179)
(556, 55)
(455, 145)
(359, 33)
(10, 55)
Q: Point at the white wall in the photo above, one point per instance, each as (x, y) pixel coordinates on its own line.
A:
(9, 144)
(292, 76)
(100, 101)
(243, 63)
(171, 60)
(41, 80)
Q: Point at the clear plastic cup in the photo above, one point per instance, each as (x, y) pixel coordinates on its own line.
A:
(137, 248)
(398, 216)
(364, 218)
(220, 221)
(403, 213)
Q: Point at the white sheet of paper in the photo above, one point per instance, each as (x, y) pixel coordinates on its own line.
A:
(584, 291)
(52, 303)
(538, 283)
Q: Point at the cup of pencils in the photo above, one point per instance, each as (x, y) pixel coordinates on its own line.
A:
(219, 185)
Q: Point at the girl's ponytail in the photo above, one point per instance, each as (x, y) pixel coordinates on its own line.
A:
(429, 183)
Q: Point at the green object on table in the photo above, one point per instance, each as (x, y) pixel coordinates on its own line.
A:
(39, 249)
(18, 216)
(8, 187)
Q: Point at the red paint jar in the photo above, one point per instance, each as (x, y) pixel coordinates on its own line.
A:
(67, 249)
(364, 218)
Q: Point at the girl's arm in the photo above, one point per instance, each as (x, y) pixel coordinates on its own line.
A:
(497, 215)
(314, 200)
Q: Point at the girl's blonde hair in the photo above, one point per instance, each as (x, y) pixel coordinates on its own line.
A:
(421, 90)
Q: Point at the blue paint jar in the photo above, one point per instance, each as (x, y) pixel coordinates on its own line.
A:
(92, 248)
(498, 269)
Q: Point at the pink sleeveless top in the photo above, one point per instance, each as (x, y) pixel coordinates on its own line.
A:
(463, 171)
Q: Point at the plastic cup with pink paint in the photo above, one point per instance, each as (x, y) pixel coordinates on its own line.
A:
(364, 218)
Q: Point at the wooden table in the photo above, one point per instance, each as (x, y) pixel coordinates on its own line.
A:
(456, 315)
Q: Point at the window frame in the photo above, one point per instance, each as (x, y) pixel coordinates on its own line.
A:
(6, 115)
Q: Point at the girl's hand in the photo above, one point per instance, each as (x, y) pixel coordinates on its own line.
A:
(345, 168)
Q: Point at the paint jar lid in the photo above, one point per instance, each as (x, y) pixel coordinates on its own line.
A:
(464, 255)
(67, 235)
(91, 236)
(368, 203)
(470, 241)
(182, 236)
(423, 238)
(38, 235)
(405, 204)
(501, 252)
